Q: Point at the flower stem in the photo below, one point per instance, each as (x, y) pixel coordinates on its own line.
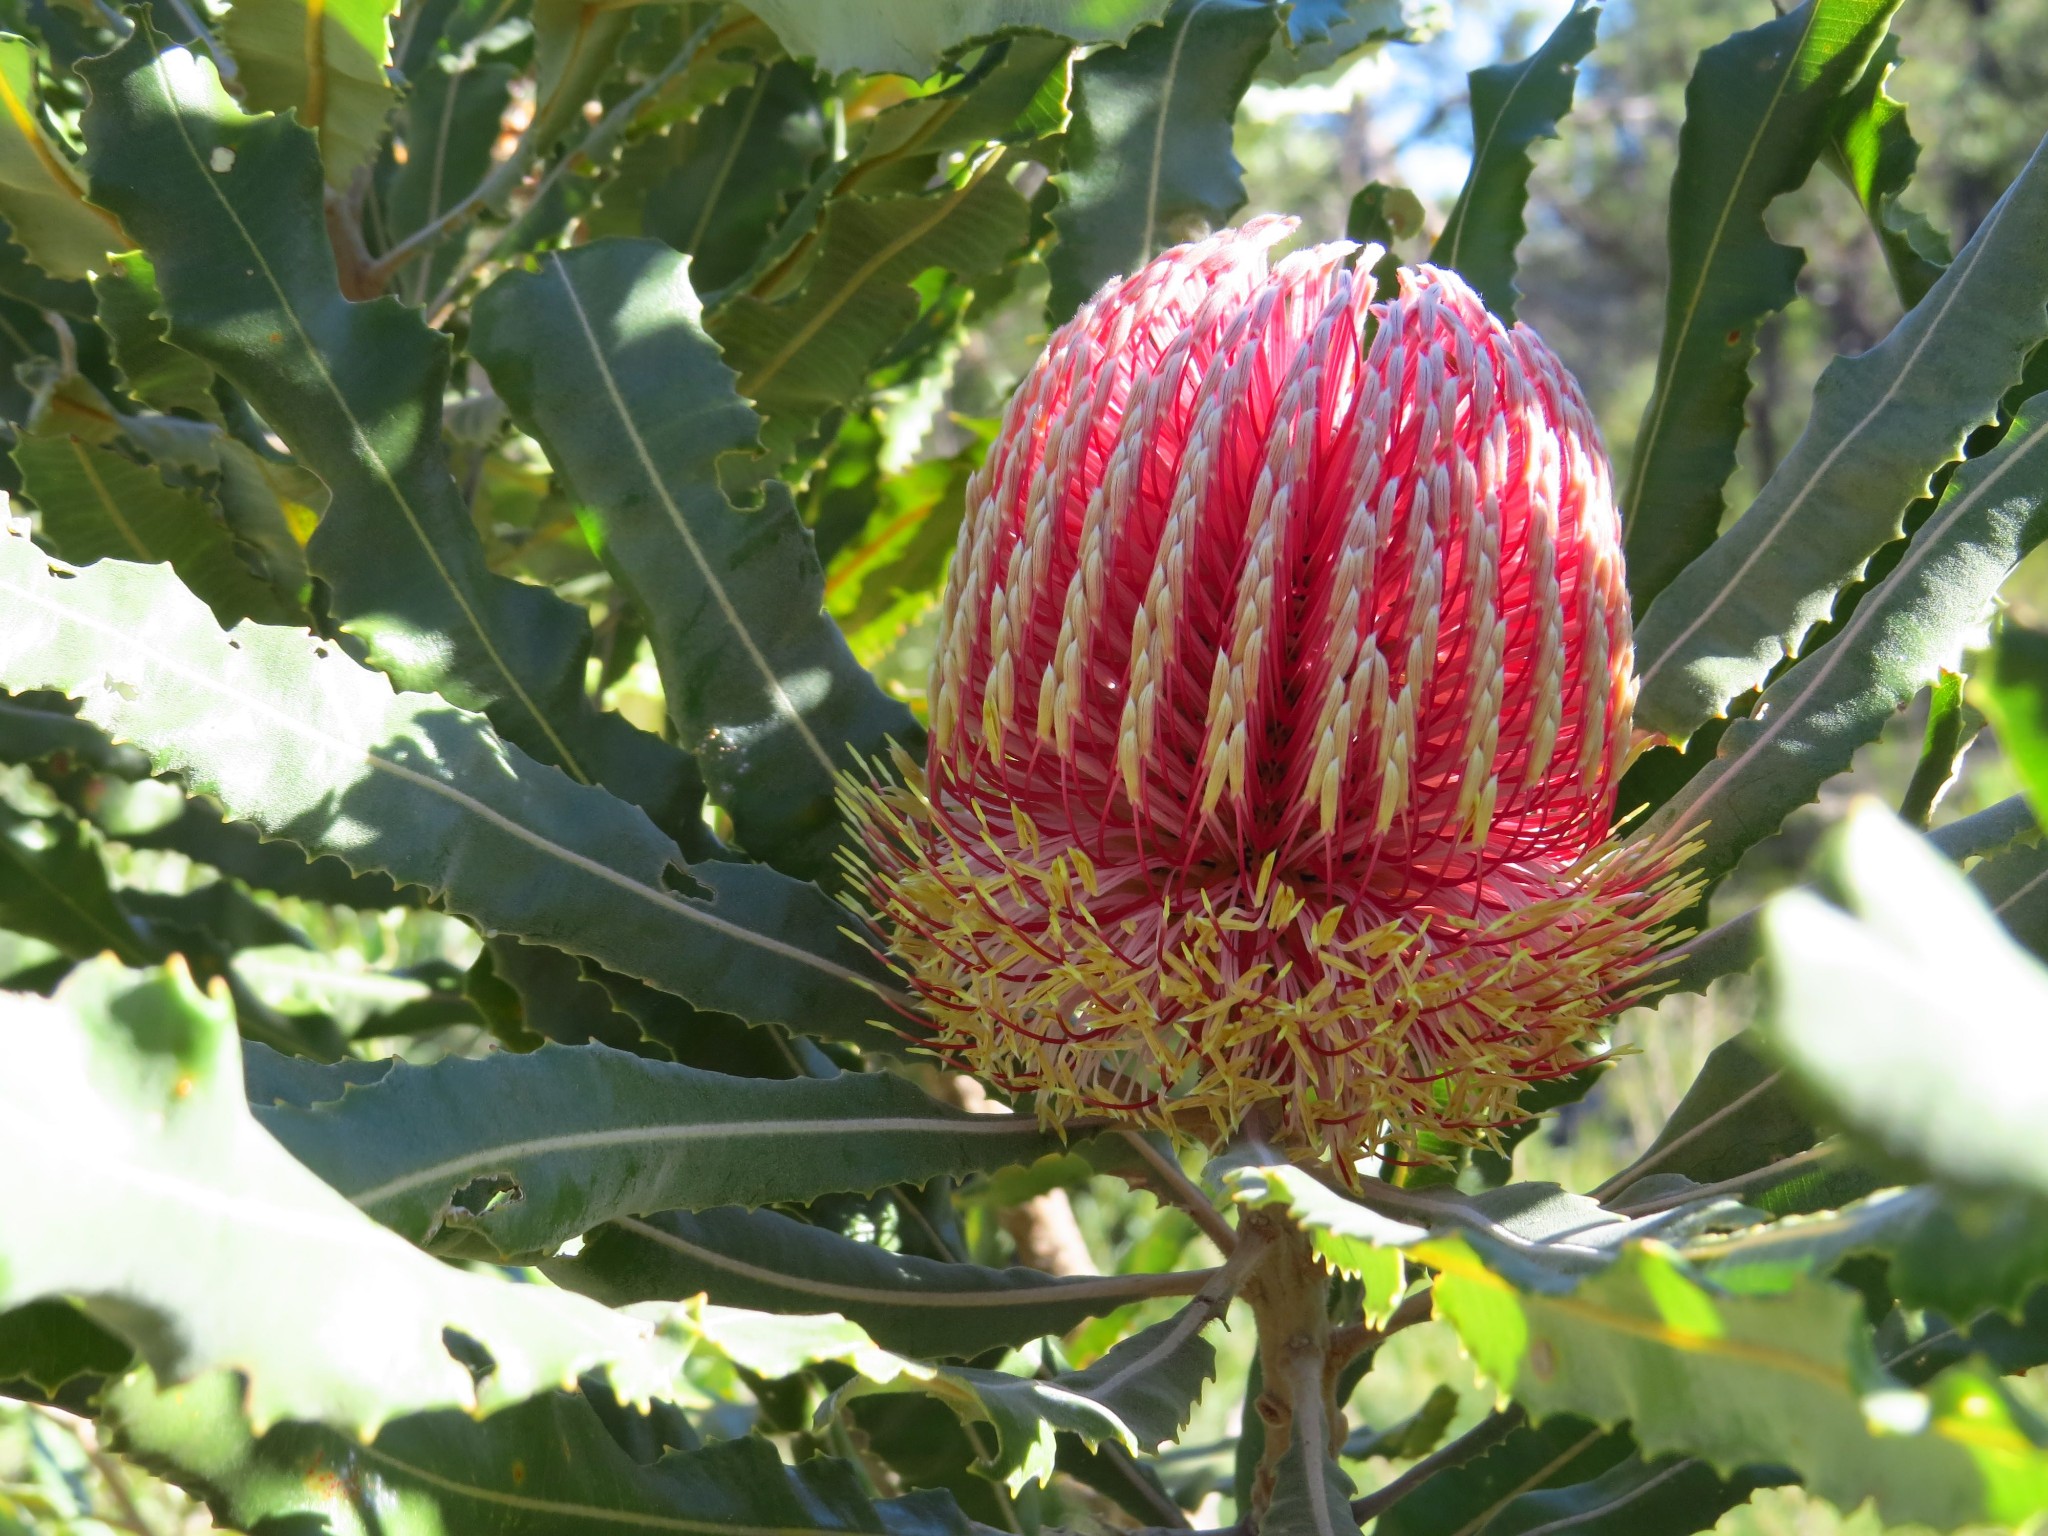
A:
(1289, 1298)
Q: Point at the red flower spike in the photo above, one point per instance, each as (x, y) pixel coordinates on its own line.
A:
(1283, 676)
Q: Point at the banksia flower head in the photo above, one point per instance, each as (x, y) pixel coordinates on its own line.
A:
(1283, 676)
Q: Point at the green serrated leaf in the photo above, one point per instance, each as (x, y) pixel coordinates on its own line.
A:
(1513, 106)
(452, 119)
(324, 61)
(98, 504)
(578, 1135)
(1737, 1380)
(1916, 623)
(1738, 1115)
(290, 735)
(1148, 155)
(1562, 1452)
(1873, 150)
(1672, 1496)
(801, 356)
(1757, 112)
(1883, 422)
(130, 311)
(42, 196)
(1320, 33)
(547, 1467)
(53, 887)
(46, 1346)
(1912, 1015)
(1417, 1435)
(165, 1191)
(1138, 1396)
(911, 37)
(714, 188)
(766, 1261)
(230, 209)
(601, 355)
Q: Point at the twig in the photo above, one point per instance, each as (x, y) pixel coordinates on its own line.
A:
(1354, 1339)
(1175, 1185)
(109, 1470)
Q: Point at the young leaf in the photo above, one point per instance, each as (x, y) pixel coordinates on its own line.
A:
(1915, 623)
(1138, 1396)
(1513, 105)
(98, 504)
(41, 196)
(1873, 150)
(600, 354)
(548, 1467)
(229, 207)
(288, 733)
(911, 37)
(767, 1261)
(801, 356)
(165, 1188)
(1912, 1015)
(326, 62)
(578, 1135)
(2016, 698)
(1739, 1381)
(1148, 156)
(1883, 422)
(1757, 112)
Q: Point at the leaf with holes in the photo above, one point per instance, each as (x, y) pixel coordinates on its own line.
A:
(1513, 106)
(1916, 622)
(1148, 156)
(98, 504)
(289, 734)
(1883, 422)
(230, 209)
(1757, 112)
(570, 1136)
(769, 1262)
(165, 1188)
(600, 354)
(324, 61)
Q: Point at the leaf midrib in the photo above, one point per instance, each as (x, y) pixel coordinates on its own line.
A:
(366, 449)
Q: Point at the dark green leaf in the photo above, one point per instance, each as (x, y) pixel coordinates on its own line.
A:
(1675, 1496)
(801, 356)
(767, 1261)
(601, 356)
(1738, 1115)
(1757, 113)
(1513, 105)
(1873, 150)
(2014, 884)
(98, 504)
(162, 1207)
(578, 1135)
(547, 1467)
(714, 188)
(324, 754)
(1148, 156)
(1883, 422)
(452, 120)
(230, 209)
(1561, 1452)
(1416, 1435)
(130, 311)
(1901, 636)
